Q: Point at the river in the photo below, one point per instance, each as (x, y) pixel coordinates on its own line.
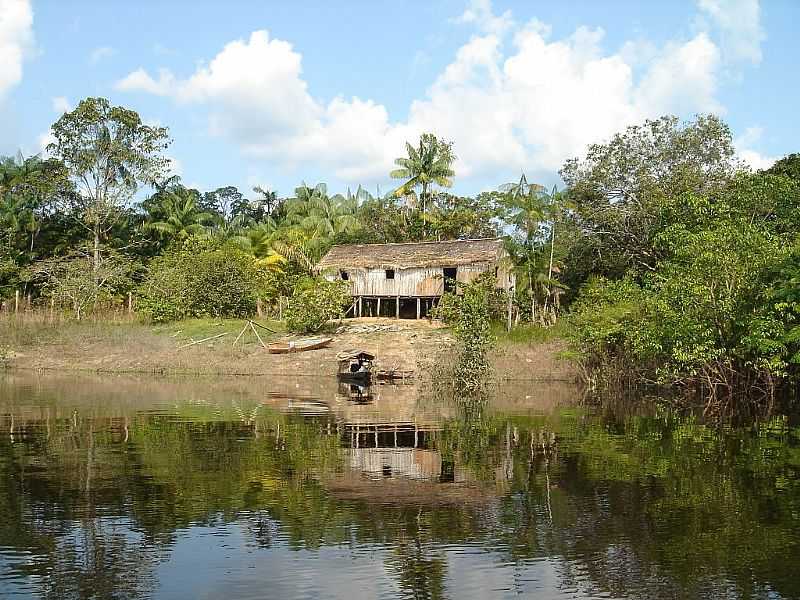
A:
(128, 487)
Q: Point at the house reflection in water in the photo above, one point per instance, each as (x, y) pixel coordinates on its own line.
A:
(392, 450)
(390, 436)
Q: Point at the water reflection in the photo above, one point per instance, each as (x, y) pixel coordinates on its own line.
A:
(126, 488)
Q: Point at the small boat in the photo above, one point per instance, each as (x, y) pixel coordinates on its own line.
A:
(299, 345)
(355, 366)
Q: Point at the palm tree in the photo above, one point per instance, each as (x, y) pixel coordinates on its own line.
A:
(526, 208)
(430, 163)
(178, 214)
(260, 241)
(321, 216)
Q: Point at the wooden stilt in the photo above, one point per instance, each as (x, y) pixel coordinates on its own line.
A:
(359, 306)
(419, 308)
(379, 306)
(397, 308)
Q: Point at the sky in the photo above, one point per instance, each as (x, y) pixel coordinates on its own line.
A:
(279, 93)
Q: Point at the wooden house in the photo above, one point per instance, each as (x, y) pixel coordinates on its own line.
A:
(407, 280)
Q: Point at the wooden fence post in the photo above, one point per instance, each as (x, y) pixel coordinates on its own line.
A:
(16, 301)
(130, 302)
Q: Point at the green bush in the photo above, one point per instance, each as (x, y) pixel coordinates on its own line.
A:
(314, 303)
(200, 280)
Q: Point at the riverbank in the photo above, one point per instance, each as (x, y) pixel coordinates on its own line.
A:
(128, 346)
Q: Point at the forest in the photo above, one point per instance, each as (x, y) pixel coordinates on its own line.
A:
(664, 258)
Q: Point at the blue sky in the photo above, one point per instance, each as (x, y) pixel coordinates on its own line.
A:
(275, 93)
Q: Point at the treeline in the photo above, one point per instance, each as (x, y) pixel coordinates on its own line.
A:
(677, 264)
(102, 216)
(687, 265)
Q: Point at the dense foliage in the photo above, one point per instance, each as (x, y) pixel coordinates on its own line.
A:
(698, 263)
(316, 302)
(201, 278)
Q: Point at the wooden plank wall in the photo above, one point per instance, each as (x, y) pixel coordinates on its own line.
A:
(419, 282)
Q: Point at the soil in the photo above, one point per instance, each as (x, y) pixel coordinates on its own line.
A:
(401, 345)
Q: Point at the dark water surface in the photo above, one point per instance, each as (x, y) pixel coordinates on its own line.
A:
(118, 487)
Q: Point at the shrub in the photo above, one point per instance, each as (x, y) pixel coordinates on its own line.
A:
(314, 303)
(200, 280)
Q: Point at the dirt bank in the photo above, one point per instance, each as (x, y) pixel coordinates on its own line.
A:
(137, 348)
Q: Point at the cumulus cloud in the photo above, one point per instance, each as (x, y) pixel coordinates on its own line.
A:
(16, 41)
(744, 146)
(479, 13)
(528, 102)
(140, 80)
(739, 25)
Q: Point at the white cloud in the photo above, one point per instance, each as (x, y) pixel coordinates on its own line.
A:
(744, 147)
(101, 53)
(529, 106)
(480, 14)
(16, 41)
(61, 105)
(43, 140)
(140, 80)
(739, 24)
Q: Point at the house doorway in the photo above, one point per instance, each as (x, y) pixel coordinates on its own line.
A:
(450, 276)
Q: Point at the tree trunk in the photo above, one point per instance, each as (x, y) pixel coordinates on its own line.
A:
(96, 263)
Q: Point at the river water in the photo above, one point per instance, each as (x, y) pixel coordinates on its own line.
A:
(125, 487)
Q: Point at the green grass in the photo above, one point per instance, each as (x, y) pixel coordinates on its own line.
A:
(34, 329)
(529, 334)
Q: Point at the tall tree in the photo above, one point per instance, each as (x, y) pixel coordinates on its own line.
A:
(619, 188)
(429, 163)
(109, 153)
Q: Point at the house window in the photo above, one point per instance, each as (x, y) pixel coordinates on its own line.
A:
(344, 275)
(450, 274)
(389, 273)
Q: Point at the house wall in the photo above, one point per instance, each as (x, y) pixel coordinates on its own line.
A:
(417, 282)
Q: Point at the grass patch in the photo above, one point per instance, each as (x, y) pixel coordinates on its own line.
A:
(529, 334)
(40, 329)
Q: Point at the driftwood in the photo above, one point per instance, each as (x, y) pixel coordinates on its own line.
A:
(262, 326)
(213, 337)
(370, 328)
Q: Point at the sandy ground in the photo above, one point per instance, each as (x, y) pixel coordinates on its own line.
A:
(402, 345)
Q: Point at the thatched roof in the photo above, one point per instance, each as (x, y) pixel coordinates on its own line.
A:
(412, 255)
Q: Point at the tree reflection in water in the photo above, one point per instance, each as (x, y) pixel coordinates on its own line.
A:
(96, 491)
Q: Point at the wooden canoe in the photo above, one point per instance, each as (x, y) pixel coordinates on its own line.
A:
(299, 345)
